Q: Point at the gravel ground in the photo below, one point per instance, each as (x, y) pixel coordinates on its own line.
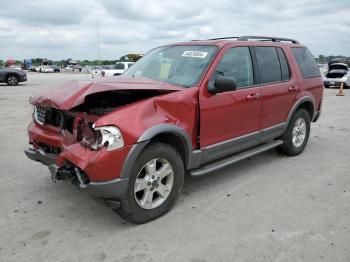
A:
(267, 208)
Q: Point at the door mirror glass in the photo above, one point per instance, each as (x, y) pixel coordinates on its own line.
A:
(222, 84)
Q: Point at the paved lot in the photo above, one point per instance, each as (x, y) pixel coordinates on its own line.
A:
(268, 208)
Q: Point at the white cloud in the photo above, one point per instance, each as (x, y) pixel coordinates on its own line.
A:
(61, 29)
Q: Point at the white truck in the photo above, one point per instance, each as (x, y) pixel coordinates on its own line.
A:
(118, 69)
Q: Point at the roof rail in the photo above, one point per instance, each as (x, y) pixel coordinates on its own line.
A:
(267, 38)
(223, 38)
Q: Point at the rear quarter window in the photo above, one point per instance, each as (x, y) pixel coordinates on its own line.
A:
(306, 62)
(284, 65)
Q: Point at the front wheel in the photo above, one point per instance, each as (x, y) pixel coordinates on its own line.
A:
(297, 134)
(12, 80)
(154, 185)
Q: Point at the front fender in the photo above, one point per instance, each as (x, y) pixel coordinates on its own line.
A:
(150, 133)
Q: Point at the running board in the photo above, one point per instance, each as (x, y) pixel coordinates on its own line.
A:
(234, 158)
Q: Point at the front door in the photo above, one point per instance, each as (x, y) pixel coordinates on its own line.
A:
(228, 119)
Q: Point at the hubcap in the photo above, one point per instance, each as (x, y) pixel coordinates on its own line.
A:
(299, 132)
(154, 183)
(12, 80)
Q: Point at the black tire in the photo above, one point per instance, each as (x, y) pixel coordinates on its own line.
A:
(326, 86)
(129, 209)
(12, 80)
(288, 147)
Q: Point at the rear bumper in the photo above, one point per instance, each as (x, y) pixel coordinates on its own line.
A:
(335, 81)
(41, 156)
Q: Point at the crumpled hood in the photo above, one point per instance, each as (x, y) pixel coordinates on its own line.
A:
(73, 93)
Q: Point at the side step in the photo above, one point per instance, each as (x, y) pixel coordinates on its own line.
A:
(234, 158)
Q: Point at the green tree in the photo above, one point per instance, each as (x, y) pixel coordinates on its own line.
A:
(321, 59)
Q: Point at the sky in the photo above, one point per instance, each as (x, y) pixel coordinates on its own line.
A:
(61, 29)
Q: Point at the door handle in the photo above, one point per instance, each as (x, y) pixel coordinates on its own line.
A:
(292, 88)
(253, 97)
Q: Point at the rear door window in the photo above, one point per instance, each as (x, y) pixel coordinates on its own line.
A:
(269, 64)
(306, 62)
(237, 62)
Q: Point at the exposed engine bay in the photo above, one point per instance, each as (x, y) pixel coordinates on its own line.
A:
(76, 124)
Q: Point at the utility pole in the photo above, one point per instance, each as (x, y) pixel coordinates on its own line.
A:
(98, 40)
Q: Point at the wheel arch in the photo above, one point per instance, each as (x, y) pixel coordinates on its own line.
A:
(166, 133)
(10, 74)
(307, 103)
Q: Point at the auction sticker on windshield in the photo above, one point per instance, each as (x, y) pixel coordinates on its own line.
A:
(195, 54)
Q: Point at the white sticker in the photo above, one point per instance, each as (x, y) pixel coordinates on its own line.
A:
(195, 54)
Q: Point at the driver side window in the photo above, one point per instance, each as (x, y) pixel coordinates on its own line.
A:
(237, 62)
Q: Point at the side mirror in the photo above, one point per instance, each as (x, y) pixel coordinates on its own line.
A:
(222, 84)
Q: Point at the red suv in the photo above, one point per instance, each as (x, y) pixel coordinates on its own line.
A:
(189, 107)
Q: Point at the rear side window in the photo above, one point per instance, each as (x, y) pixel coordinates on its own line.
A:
(269, 64)
(119, 66)
(306, 62)
(237, 62)
(284, 64)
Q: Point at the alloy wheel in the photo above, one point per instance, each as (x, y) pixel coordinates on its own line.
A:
(154, 183)
(299, 132)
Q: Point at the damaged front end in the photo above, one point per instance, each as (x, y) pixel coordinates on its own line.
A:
(64, 137)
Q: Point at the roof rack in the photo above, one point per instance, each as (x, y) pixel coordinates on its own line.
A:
(223, 38)
(261, 38)
(267, 38)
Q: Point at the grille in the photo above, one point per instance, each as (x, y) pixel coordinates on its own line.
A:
(39, 114)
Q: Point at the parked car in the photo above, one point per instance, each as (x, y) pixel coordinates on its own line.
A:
(12, 76)
(97, 70)
(337, 73)
(117, 70)
(192, 107)
(55, 68)
(46, 69)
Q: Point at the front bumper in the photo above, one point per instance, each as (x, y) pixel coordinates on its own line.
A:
(108, 189)
(41, 156)
(100, 171)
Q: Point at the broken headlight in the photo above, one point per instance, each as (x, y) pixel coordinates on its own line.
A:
(108, 136)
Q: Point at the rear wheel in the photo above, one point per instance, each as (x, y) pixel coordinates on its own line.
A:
(154, 185)
(12, 80)
(297, 134)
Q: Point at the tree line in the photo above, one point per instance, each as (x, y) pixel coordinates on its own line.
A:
(38, 61)
(321, 59)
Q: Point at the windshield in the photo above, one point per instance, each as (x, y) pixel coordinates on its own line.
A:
(179, 65)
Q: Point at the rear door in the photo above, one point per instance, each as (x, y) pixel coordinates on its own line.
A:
(278, 86)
